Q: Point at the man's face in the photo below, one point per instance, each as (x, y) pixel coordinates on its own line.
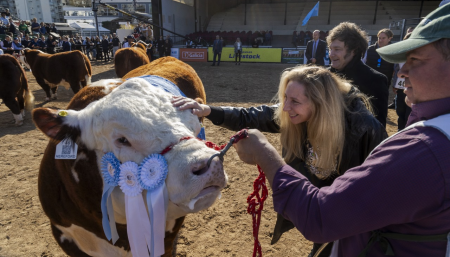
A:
(339, 54)
(217, 37)
(316, 35)
(426, 75)
(114, 35)
(383, 39)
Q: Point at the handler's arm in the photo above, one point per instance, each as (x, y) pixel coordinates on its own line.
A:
(393, 186)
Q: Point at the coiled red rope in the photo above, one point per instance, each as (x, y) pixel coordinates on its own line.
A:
(256, 199)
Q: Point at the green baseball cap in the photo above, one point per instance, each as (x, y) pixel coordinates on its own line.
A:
(432, 28)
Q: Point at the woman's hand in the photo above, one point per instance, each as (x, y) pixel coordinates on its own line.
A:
(184, 103)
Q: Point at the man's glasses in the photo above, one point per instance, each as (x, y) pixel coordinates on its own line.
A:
(379, 62)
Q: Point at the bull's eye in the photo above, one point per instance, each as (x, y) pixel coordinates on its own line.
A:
(124, 141)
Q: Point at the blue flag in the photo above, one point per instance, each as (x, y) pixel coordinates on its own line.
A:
(313, 12)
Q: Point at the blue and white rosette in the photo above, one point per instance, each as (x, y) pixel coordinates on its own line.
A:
(152, 175)
(138, 223)
(110, 172)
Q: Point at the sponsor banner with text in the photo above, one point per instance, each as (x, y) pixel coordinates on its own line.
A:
(293, 55)
(193, 55)
(249, 54)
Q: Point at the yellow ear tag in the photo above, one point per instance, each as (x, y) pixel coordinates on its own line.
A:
(62, 113)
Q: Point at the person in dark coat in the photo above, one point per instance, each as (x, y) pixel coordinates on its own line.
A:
(105, 48)
(374, 60)
(50, 43)
(316, 50)
(348, 43)
(66, 47)
(161, 47)
(341, 110)
(217, 50)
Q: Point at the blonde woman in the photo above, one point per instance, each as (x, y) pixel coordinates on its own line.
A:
(325, 127)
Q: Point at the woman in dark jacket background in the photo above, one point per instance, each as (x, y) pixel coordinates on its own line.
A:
(324, 125)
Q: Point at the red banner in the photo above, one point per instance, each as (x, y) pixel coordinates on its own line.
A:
(193, 55)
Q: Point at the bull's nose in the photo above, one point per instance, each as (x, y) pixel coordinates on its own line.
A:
(200, 171)
(204, 168)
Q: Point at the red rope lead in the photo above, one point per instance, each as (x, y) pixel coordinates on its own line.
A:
(253, 200)
(256, 199)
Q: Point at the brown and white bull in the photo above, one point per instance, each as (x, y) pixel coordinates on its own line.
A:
(130, 58)
(14, 88)
(131, 119)
(69, 69)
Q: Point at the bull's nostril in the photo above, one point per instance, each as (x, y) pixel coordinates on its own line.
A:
(200, 171)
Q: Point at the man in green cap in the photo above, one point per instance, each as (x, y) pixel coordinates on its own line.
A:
(398, 201)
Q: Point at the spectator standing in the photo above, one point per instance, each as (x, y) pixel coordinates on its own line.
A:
(116, 44)
(47, 28)
(66, 47)
(348, 43)
(237, 51)
(129, 42)
(23, 27)
(217, 50)
(7, 45)
(78, 43)
(167, 48)
(151, 48)
(316, 50)
(374, 60)
(168, 45)
(35, 27)
(50, 44)
(12, 27)
(42, 29)
(8, 14)
(161, 47)
(105, 48)
(89, 48)
(4, 20)
(295, 39)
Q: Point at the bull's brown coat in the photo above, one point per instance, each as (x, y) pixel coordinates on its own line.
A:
(130, 58)
(51, 69)
(13, 84)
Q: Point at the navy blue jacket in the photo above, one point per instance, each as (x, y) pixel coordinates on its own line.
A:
(217, 46)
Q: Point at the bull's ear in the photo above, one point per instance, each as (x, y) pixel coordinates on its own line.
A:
(51, 123)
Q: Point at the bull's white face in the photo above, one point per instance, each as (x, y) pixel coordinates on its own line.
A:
(136, 120)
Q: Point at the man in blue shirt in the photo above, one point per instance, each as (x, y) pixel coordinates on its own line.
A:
(217, 49)
(4, 19)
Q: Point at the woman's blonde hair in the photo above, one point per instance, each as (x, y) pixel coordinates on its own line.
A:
(325, 130)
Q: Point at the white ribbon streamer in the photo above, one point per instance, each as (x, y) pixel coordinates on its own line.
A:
(138, 225)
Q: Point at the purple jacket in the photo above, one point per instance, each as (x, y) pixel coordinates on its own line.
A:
(403, 187)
